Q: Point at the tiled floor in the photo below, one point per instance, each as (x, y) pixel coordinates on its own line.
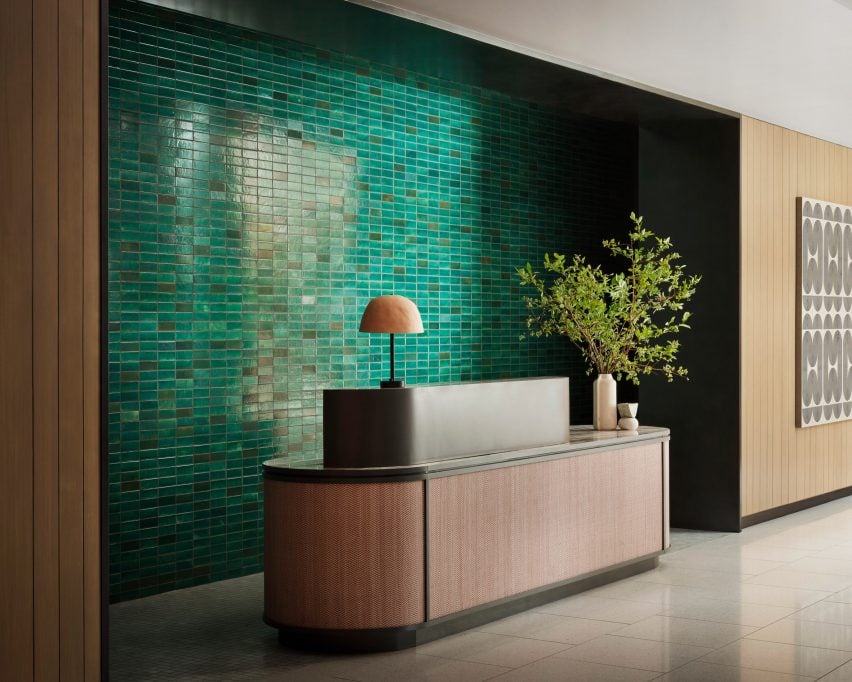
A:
(771, 603)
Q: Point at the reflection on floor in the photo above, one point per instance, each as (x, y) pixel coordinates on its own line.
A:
(771, 603)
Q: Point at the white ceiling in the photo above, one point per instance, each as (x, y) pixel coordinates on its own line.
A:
(788, 62)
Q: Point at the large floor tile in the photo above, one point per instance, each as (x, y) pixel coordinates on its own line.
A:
(844, 596)
(807, 633)
(785, 577)
(403, 665)
(635, 653)
(804, 537)
(550, 627)
(693, 577)
(300, 675)
(699, 671)
(685, 631)
(738, 613)
(556, 669)
(781, 658)
(842, 673)
(484, 647)
(838, 552)
(726, 562)
(651, 593)
(766, 552)
(771, 595)
(822, 565)
(827, 612)
(601, 608)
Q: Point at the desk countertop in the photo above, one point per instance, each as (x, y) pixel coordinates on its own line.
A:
(583, 440)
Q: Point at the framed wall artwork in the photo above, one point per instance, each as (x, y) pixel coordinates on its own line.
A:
(824, 312)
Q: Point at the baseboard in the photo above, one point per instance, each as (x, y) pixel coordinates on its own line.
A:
(799, 505)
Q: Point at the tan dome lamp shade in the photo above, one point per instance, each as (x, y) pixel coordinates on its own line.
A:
(391, 315)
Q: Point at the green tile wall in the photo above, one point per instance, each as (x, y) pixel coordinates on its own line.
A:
(261, 191)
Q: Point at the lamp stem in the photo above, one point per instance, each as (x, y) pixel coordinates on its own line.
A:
(392, 382)
(391, 354)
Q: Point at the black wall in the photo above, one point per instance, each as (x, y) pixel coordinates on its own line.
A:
(689, 190)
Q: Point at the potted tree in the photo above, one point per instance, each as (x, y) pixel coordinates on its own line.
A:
(624, 323)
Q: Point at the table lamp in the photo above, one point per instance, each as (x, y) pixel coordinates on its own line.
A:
(391, 315)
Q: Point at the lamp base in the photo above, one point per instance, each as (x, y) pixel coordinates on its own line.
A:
(393, 384)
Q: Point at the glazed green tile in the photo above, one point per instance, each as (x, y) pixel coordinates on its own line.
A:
(261, 191)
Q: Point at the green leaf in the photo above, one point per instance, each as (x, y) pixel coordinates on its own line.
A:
(615, 318)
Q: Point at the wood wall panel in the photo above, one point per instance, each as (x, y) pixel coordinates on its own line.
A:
(780, 463)
(91, 335)
(70, 385)
(16, 337)
(50, 344)
(46, 337)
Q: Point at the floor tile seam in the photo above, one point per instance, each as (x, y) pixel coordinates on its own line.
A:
(556, 654)
(740, 573)
(638, 578)
(668, 641)
(503, 668)
(822, 677)
(806, 646)
(751, 581)
(533, 639)
(750, 667)
(710, 649)
(479, 628)
(508, 668)
(813, 620)
(698, 620)
(603, 620)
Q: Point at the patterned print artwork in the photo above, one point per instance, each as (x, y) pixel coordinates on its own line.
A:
(825, 312)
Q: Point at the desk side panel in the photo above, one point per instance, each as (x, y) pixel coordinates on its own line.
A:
(344, 555)
(504, 531)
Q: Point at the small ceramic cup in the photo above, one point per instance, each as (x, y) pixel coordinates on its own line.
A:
(628, 409)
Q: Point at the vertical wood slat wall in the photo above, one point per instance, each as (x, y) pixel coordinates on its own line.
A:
(780, 463)
(49, 340)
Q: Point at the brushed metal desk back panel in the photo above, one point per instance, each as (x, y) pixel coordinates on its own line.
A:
(402, 426)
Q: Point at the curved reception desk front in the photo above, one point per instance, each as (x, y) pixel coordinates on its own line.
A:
(386, 557)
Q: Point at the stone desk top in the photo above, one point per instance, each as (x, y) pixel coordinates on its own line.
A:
(583, 440)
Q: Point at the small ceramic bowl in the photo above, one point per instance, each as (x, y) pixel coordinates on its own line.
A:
(628, 409)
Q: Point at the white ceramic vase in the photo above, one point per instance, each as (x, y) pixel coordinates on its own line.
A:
(604, 412)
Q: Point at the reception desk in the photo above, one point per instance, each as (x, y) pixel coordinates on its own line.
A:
(386, 557)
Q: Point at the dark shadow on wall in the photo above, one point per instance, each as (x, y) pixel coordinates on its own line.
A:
(689, 190)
